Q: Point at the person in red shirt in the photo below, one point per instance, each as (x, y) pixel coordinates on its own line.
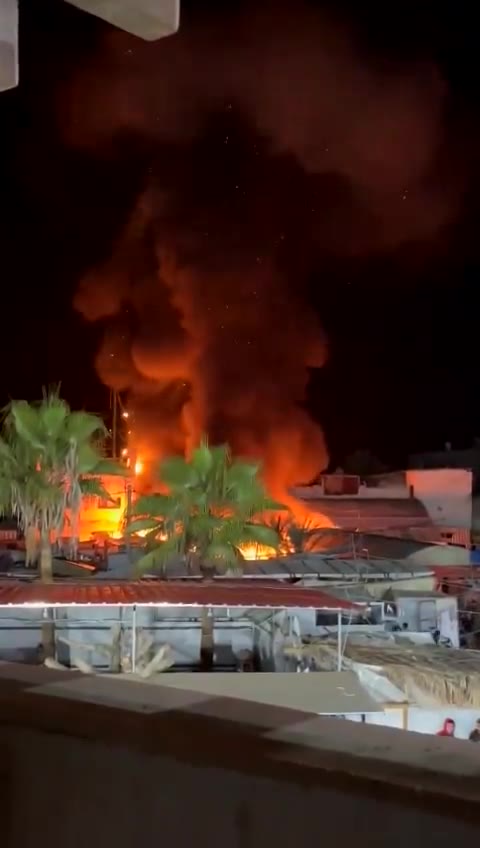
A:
(448, 728)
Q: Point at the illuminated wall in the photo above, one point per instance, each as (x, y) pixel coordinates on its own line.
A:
(101, 517)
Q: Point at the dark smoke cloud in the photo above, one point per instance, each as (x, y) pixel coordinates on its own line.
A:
(288, 142)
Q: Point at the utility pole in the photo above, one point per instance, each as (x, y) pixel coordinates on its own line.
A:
(128, 487)
(114, 424)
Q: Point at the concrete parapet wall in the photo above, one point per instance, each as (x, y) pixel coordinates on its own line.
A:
(186, 769)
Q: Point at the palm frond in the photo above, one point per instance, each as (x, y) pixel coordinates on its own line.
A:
(108, 468)
(159, 555)
(82, 426)
(202, 460)
(177, 473)
(156, 505)
(93, 487)
(213, 507)
(46, 459)
(222, 556)
(141, 524)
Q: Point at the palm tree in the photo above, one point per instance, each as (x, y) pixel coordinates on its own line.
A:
(297, 537)
(48, 459)
(213, 507)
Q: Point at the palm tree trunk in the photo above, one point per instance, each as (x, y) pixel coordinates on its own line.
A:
(46, 576)
(207, 644)
(31, 546)
(46, 560)
(207, 637)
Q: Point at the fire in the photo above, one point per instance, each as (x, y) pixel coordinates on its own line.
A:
(106, 518)
(257, 552)
(103, 517)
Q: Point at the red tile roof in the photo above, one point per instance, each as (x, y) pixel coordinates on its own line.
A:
(167, 593)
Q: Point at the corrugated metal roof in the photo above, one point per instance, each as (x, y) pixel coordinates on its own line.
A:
(371, 514)
(309, 565)
(166, 593)
(313, 564)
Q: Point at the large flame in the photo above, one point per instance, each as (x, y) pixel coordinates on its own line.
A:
(105, 518)
(204, 298)
(102, 517)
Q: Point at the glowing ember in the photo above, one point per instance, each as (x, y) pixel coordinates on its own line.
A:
(138, 466)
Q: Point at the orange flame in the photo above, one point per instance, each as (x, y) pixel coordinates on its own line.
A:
(106, 519)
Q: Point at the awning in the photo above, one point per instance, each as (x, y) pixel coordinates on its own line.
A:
(168, 593)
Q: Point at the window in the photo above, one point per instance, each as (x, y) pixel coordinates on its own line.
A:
(326, 619)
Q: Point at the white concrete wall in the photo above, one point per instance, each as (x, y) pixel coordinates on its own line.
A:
(425, 721)
(445, 615)
(308, 627)
(178, 627)
(446, 494)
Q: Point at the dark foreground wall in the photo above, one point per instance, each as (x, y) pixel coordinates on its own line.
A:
(76, 775)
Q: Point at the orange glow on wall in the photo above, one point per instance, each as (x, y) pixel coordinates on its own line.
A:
(101, 518)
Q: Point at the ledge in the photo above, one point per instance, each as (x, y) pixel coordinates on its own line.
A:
(415, 769)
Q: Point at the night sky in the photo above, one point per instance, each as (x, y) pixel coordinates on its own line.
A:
(398, 310)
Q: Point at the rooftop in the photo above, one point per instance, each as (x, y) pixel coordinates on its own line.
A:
(371, 513)
(166, 593)
(395, 593)
(425, 674)
(316, 565)
(330, 693)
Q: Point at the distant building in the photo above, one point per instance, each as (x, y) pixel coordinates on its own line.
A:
(447, 458)
(427, 505)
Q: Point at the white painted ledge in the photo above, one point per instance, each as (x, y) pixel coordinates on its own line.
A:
(147, 19)
(8, 44)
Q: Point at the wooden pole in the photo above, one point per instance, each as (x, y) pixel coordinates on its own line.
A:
(128, 539)
(114, 425)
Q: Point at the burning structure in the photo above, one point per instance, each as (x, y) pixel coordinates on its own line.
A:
(203, 299)
(199, 346)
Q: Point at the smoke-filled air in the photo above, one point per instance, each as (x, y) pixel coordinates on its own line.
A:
(271, 141)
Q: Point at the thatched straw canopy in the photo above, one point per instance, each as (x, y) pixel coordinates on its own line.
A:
(426, 675)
